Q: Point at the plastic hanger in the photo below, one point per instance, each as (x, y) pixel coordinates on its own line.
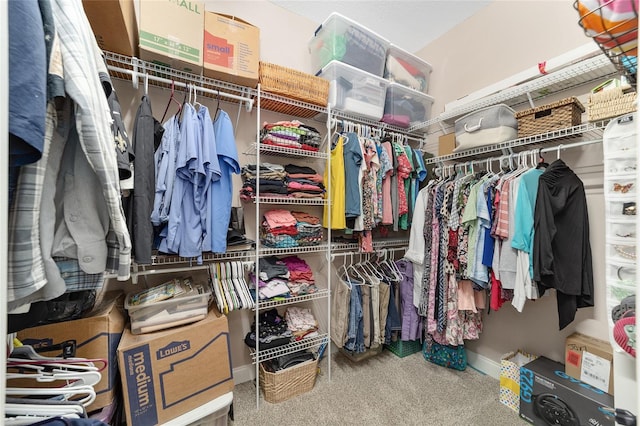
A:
(89, 378)
(66, 392)
(216, 287)
(171, 99)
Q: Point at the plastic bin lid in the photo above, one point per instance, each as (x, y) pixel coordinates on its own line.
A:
(336, 15)
(412, 92)
(411, 55)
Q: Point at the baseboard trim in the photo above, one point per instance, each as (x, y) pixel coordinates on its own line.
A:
(247, 373)
(483, 364)
(244, 373)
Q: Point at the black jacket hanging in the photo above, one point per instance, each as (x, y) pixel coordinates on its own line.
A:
(561, 247)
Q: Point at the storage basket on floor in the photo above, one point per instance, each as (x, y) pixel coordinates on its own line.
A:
(285, 384)
(402, 348)
(292, 84)
(547, 118)
(610, 103)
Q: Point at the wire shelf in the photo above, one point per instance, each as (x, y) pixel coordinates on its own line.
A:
(291, 200)
(377, 245)
(134, 69)
(320, 294)
(206, 257)
(265, 251)
(267, 354)
(279, 151)
(283, 105)
(587, 71)
(131, 68)
(582, 131)
(339, 115)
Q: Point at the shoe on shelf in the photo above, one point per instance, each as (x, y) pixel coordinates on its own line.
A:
(625, 308)
(624, 333)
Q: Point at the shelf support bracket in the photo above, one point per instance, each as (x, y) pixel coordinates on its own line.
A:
(530, 100)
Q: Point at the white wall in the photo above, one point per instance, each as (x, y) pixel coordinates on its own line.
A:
(502, 39)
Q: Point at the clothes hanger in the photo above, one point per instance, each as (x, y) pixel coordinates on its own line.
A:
(27, 355)
(216, 287)
(215, 114)
(171, 99)
(89, 378)
(65, 392)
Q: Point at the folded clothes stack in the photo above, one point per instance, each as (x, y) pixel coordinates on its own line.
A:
(273, 282)
(301, 322)
(285, 229)
(273, 331)
(290, 134)
(303, 182)
(301, 281)
(271, 183)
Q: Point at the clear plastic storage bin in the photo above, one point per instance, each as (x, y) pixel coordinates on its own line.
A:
(189, 304)
(342, 39)
(404, 68)
(404, 107)
(355, 91)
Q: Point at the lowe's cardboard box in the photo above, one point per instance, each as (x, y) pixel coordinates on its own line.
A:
(231, 49)
(114, 25)
(590, 360)
(96, 336)
(548, 396)
(171, 33)
(168, 373)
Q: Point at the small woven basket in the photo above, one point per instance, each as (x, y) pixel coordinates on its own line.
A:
(292, 84)
(546, 118)
(285, 384)
(610, 103)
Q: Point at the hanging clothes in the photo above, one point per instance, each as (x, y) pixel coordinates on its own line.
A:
(561, 247)
(139, 204)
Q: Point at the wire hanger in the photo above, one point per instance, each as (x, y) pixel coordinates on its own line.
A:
(171, 99)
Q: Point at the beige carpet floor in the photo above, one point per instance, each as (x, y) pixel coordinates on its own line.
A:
(383, 390)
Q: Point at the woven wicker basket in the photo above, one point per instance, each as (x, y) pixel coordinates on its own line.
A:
(610, 103)
(292, 84)
(285, 384)
(546, 118)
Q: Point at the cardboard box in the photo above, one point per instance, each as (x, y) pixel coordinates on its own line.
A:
(96, 336)
(114, 24)
(231, 49)
(549, 396)
(590, 360)
(170, 372)
(446, 144)
(171, 33)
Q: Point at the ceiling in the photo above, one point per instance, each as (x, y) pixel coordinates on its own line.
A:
(409, 24)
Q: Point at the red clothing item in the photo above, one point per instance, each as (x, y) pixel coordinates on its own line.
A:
(496, 293)
(404, 169)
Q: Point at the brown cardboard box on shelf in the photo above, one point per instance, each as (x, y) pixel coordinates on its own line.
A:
(114, 24)
(96, 336)
(446, 144)
(231, 49)
(590, 360)
(168, 373)
(171, 33)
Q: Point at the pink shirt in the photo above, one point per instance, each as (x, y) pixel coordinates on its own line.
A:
(387, 211)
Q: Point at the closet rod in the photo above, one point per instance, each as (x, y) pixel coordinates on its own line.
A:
(557, 148)
(359, 253)
(135, 273)
(382, 127)
(144, 75)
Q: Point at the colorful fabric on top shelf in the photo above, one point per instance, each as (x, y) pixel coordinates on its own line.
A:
(290, 134)
(282, 229)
